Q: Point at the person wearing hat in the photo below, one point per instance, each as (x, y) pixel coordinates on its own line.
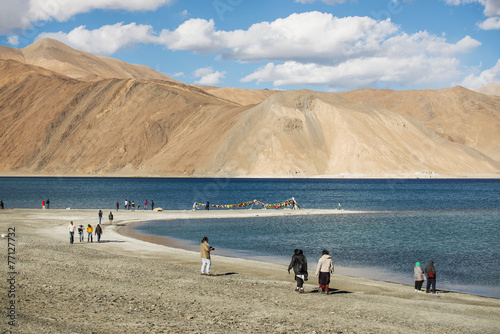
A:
(419, 276)
(80, 232)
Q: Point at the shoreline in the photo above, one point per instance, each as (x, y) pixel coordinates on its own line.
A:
(125, 285)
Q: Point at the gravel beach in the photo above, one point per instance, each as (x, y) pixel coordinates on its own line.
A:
(127, 285)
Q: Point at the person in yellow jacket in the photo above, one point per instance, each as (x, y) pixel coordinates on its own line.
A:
(323, 271)
(205, 256)
(90, 229)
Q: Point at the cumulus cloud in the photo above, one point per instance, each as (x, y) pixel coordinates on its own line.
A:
(484, 78)
(307, 48)
(208, 76)
(107, 39)
(491, 10)
(22, 13)
(361, 72)
(492, 23)
(318, 48)
(13, 40)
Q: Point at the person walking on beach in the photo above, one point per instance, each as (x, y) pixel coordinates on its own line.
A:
(207, 206)
(205, 256)
(323, 271)
(80, 232)
(71, 229)
(430, 271)
(47, 203)
(100, 216)
(1, 204)
(125, 205)
(90, 229)
(419, 276)
(146, 205)
(117, 206)
(299, 265)
(110, 216)
(98, 232)
(152, 205)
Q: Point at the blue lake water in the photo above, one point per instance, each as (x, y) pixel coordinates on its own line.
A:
(455, 223)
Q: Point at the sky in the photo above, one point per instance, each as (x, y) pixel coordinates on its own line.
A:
(322, 45)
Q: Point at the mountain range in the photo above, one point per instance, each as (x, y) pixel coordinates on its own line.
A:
(67, 112)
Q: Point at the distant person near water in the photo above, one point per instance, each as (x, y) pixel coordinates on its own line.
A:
(110, 217)
(152, 205)
(100, 216)
(419, 276)
(205, 256)
(80, 232)
(117, 206)
(47, 203)
(1, 204)
(98, 232)
(71, 229)
(207, 206)
(299, 265)
(339, 207)
(430, 271)
(323, 271)
(43, 204)
(146, 205)
(125, 204)
(90, 229)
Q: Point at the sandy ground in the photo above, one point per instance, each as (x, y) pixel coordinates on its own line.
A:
(125, 285)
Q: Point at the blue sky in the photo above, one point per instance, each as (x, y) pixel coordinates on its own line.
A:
(323, 45)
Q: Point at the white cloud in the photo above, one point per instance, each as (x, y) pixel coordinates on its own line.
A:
(178, 74)
(208, 76)
(22, 13)
(13, 40)
(105, 40)
(491, 10)
(361, 72)
(492, 23)
(484, 78)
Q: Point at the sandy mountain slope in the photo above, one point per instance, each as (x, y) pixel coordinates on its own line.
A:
(456, 114)
(304, 133)
(58, 57)
(490, 89)
(241, 96)
(54, 125)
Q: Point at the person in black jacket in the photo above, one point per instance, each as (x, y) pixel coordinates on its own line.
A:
(299, 265)
(430, 271)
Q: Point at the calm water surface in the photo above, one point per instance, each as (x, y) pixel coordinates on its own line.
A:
(453, 222)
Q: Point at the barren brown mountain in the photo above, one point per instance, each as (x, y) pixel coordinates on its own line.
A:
(58, 57)
(55, 121)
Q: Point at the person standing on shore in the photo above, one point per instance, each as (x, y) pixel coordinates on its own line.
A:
(110, 216)
(430, 271)
(71, 229)
(1, 204)
(205, 256)
(100, 216)
(152, 205)
(43, 204)
(146, 205)
(419, 276)
(80, 232)
(47, 202)
(125, 205)
(117, 206)
(299, 265)
(323, 271)
(98, 232)
(90, 229)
